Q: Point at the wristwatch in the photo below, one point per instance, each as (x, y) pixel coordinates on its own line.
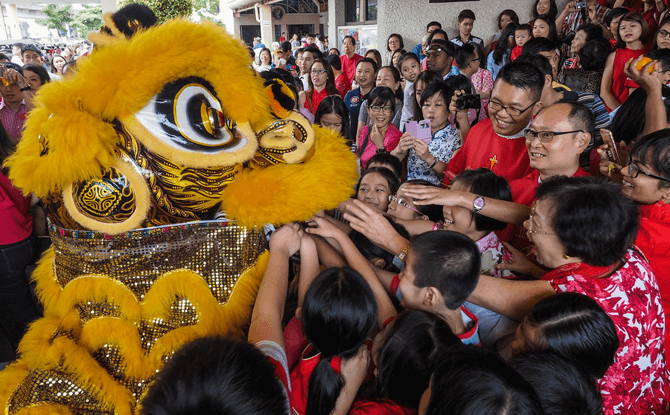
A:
(478, 204)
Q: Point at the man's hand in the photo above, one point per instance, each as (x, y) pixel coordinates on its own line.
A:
(648, 81)
(372, 224)
(286, 239)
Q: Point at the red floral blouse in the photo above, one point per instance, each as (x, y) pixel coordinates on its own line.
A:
(638, 381)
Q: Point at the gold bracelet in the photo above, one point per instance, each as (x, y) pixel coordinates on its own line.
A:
(403, 254)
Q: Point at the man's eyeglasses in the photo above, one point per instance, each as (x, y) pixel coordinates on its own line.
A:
(377, 108)
(545, 136)
(513, 112)
(399, 201)
(634, 170)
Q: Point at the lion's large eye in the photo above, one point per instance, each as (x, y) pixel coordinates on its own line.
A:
(187, 115)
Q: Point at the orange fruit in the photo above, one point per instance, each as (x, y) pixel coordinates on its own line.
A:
(643, 62)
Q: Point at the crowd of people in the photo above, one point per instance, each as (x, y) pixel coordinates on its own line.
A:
(507, 246)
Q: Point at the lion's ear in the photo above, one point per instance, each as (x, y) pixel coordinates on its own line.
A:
(123, 24)
(282, 100)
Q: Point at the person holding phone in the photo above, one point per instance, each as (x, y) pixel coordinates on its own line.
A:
(576, 13)
(427, 159)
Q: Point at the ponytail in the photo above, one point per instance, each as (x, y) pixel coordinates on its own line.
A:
(324, 388)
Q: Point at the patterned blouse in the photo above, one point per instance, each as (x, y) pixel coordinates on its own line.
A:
(482, 80)
(637, 382)
(443, 145)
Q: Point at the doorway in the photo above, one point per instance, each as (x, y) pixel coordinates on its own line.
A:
(249, 32)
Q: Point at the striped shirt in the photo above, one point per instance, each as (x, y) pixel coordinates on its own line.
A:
(13, 120)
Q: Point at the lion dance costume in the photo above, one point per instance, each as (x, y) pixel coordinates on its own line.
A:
(137, 157)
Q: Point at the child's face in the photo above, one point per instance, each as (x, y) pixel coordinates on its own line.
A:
(374, 190)
(332, 121)
(465, 26)
(410, 69)
(460, 219)
(436, 109)
(630, 31)
(521, 37)
(411, 296)
(526, 338)
(399, 208)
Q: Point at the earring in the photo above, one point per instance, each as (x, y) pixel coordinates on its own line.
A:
(566, 256)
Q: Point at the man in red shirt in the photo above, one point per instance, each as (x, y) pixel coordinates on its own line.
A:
(349, 57)
(498, 143)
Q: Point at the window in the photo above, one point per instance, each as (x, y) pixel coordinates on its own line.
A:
(371, 10)
(360, 11)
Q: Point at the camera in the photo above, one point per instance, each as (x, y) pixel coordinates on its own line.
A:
(468, 101)
(580, 5)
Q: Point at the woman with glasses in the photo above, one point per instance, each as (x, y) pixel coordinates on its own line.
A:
(662, 38)
(583, 230)
(380, 135)
(321, 84)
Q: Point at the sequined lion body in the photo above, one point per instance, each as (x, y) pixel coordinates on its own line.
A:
(159, 162)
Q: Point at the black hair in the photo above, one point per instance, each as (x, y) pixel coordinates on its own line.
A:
(395, 52)
(216, 375)
(575, 327)
(135, 13)
(432, 35)
(4, 57)
(553, 33)
(484, 182)
(334, 51)
(617, 12)
(523, 76)
(370, 61)
(499, 53)
(372, 252)
(330, 82)
(12, 65)
(629, 120)
(480, 54)
(391, 179)
(314, 50)
(525, 27)
(310, 35)
(426, 78)
(563, 388)
(446, 45)
(339, 312)
(592, 218)
(435, 213)
(448, 261)
(377, 60)
(334, 62)
(654, 150)
(662, 56)
(438, 24)
(593, 56)
(466, 14)
(539, 61)
(509, 13)
(349, 37)
(402, 43)
(634, 17)
(408, 356)
(29, 46)
(582, 118)
(333, 104)
(382, 95)
(472, 380)
(39, 70)
(386, 159)
(464, 55)
(436, 88)
(553, 9)
(537, 45)
(664, 21)
(593, 31)
(459, 82)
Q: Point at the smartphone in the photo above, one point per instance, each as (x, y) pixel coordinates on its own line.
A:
(580, 5)
(420, 130)
(612, 150)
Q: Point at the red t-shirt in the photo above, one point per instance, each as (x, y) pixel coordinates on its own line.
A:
(349, 65)
(343, 84)
(506, 157)
(15, 220)
(653, 239)
(380, 408)
(619, 78)
(516, 51)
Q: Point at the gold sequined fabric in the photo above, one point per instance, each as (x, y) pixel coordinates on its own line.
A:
(219, 251)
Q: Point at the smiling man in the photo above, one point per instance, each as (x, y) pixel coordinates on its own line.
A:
(498, 143)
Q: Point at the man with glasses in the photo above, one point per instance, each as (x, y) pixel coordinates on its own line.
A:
(310, 53)
(498, 143)
(439, 58)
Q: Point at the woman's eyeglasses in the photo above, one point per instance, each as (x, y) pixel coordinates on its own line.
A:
(531, 227)
(377, 108)
(399, 201)
(318, 72)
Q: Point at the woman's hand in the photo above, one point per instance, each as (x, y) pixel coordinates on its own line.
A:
(421, 150)
(520, 264)
(286, 239)
(323, 227)
(430, 195)
(406, 142)
(569, 8)
(377, 136)
(593, 14)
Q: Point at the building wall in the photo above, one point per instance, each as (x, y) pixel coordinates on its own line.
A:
(288, 19)
(409, 17)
